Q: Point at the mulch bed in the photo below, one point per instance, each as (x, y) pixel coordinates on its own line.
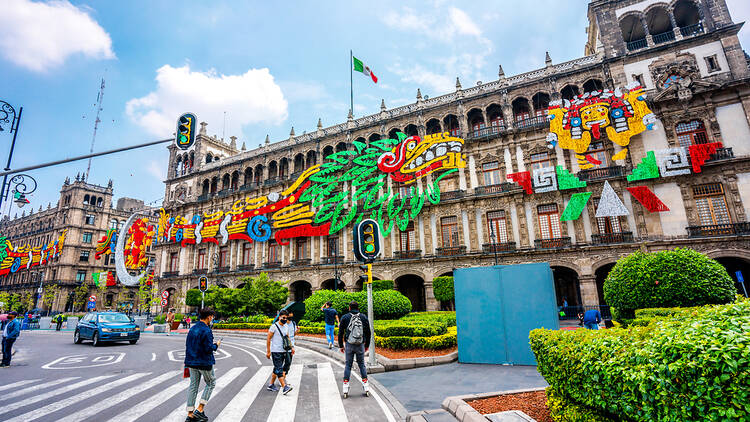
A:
(532, 403)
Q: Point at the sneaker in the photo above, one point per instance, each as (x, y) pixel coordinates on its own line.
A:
(272, 387)
(330, 346)
(365, 386)
(191, 419)
(199, 416)
(346, 387)
(287, 388)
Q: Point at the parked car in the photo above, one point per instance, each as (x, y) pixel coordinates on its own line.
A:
(102, 327)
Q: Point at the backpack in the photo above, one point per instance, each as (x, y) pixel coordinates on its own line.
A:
(354, 329)
(285, 342)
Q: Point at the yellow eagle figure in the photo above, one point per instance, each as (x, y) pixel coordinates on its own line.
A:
(573, 123)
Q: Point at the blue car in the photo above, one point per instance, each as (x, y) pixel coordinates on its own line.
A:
(102, 327)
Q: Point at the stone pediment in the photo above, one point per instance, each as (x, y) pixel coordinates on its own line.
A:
(678, 78)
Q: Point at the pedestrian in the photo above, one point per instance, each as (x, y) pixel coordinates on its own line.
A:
(331, 317)
(354, 340)
(200, 361)
(292, 330)
(10, 333)
(187, 321)
(170, 319)
(277, 346)
(591, 319)
(59, 321)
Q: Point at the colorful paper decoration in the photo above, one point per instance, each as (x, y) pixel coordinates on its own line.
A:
(140, 236)
(523, 178)
(647, 198)
(545, 180)
(672, 161)
(17, 258)
(610, 204)
(565, 180)
(575, 206)
(104, 277)
(699, 153)
(620, 114)
(647, 169)
(106, 244)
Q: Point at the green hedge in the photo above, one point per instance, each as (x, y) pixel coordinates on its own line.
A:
(692, 366)
(265, 326)
(409, 328)
(563, 410)
(389, 304)
(446, 317)
(378, 285)
(442, 341)
(682, 277)
(442, 287)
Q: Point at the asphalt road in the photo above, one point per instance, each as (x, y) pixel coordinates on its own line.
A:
(53, 379)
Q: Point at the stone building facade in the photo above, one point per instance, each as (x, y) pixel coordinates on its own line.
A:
(686, 55)
(85, 212)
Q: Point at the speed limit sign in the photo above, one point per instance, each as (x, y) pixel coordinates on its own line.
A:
(92, 298)
(164, 302)
(164, 294)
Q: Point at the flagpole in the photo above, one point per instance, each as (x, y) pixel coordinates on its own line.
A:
(351, 81)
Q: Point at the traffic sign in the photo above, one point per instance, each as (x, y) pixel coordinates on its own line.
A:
(203, 283)
(164, 294)
(92, 298)
(91, 305)
(164, 302)
(740, 279)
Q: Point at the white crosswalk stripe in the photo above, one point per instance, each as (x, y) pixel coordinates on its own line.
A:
(35, 388)
(236, 409)
(331, 405)
(180, 413)
(96, 408)
(149, 404)
(57, 391)
(8, 387)
(285, 406)
(53, 407)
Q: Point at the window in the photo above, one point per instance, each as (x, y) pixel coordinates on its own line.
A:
(109, 259)
(332, 246)
(691, 133)
(247, 253)
(478, 126)
(90, 219)
(223, 257)
(596, 150)
(84, 256)
(406, 191)
(81, 276)
(174, 261)
(449, 231)
(300, 248)
(549, 221)
(408, 241)
(497, 122)
(273, 252)
(491, 173)
(711, 204)
(113, 223)
(607, 225)
(712, 63)
(639, 79)
(540, 161)
(498, 232)
(87, 237)
(201, 259)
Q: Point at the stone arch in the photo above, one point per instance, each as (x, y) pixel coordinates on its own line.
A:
(300, 290)
(258, 178)
(311, 158)
(475, 119)
(686, 13)
(411, 130)
(341, 146)
(659, 22)
(327, 151)
(374, 137)
(273, 169)
(235, 183)
(600, 275)
(540, 103)
(248, 176)
(329, 283)
(632, 28)
(283, 168)
(412, 286)
(392, 133)
(450, 124)
(400, 273)
(592, 85)
(433, 126)
(209, 158)
(86, 199)
(521, 109)
(495, 115)
(569, 92)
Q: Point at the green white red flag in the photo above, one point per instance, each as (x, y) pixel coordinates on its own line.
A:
(359, 66)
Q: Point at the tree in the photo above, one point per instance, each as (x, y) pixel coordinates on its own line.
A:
(193, 297)
(147, 294)
(49, 294)
(443, 289)
(4, 301)
(261, 295)
(80, 295)
(27, 301)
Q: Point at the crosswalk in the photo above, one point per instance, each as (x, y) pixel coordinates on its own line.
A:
(239, 395)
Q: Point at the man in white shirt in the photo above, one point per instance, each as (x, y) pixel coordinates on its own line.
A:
(278, 344)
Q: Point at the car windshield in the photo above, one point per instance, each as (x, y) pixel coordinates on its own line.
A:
(117, 318)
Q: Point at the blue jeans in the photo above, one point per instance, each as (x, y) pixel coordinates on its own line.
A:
(7, 349)
(353, 350)
(329, 333)
(195, 381)
(592, 325)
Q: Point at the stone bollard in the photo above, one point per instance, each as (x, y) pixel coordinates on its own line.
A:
(45, 323)
(140, 322)
(160, 328)
(72, 323)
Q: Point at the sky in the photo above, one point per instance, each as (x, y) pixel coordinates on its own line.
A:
(248, 69)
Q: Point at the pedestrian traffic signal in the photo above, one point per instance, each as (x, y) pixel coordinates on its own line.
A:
(185, 131)
(203, 283)
(367, 240)
(365, 278)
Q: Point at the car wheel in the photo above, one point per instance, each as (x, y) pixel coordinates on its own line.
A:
(77, 337)
(95, 340)
(133, 341)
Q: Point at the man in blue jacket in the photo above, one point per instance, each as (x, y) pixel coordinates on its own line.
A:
(199, 359)
(591, 319)
(10, 333)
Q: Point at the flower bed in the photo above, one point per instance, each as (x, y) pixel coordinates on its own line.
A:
(532, 403)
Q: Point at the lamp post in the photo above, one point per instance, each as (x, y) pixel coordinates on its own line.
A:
(336, 274)
(8, 116)
(494, 244)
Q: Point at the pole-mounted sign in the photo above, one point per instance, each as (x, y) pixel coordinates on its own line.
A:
(185, 131)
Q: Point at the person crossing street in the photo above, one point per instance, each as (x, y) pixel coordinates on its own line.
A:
(354, 341)
(169, 321)
(278, 345)
(331, 317)
(10, 334)
(199, 362)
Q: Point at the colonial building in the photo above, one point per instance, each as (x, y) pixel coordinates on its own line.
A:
(84, 212)
(684, 53)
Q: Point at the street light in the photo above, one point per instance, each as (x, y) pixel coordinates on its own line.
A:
(336, 273)
(8, 115)
(494, 244)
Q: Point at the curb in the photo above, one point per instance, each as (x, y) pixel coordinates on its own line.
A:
(457, 406)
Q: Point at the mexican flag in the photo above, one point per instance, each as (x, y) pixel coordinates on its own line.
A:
(360, 67)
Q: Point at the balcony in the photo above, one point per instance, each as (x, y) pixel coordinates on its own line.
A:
(204, 197)
(486, 132)
(721, 154)
(600, 173)
(730, 229)
(454, 194)
(330, 260)
(554, 243)
(451, 251)
(663, 37)
(170, 274)
(224, 192)
(532, 122)
(608, 238)
(410, 254)
(300, 262)
(245, 267)
(497, 189)
(294, 176)
(271, 181)
(504, 247)
(248, 187)
(200, 271)
(224, 269)
(637, 44)
(690, 30)
(275, 264)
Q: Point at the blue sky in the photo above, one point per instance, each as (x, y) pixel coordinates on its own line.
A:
(268, 65)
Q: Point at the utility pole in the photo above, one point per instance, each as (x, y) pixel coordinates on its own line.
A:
(99, 100)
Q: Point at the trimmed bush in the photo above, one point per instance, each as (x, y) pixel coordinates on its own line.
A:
(389, 304)
(409, 328)
(562, 410)
(446, 317)
(690, 366)
(442, 287)
(443, 341)
(682, 277)
(378, 285)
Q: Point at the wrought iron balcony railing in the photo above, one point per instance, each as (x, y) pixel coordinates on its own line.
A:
(410, 254)
(169, 274)
(722, 154)
(245, 267)
(729, 229)
(486, 132)
(454, 194)
(199, 271)
(690, 30)
(606, 238)
(504, 247)
(554, 243)
(451, 251)
(663, 37)
(532, 122)
(498, 188)
(224, 269)
(274, 264)
(329, 260)
(302, 262)
(637, 44)
(600, 173)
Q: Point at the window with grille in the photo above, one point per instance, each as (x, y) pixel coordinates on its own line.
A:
(223, 257)
(87, 237)
(301, 248)
(201, 259)
(497, 121)
(498, 231)
(174, 261)
(84, 256)
(549, 221)
(522, 115)
(691, 133)
(491, 173)
(408, 242)
(247, 253)
(478, 125)
(607, 225)
(90, 219)
(332, 246)
(597, 151)
(449, 230)
(81, 276)
(406, 191)
(711, 204)
(540, 160)
(273, 252)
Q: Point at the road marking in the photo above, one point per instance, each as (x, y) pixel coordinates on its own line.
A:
(53, 407)
(181, 412)
(179, 355)
(237, 408)
(244, 350)
(285, 406)
(97, 407)
(41, 397)
(99, 359)
(147, 405)
(329, 397)
(153, 357)
(8, 387)
(35, 388)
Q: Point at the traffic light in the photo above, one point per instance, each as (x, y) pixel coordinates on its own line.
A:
(365, 278)
(203, 283)
(367, 240)
(185, 131)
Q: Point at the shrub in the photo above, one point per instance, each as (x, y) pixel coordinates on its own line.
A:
(682, 277)
(378, 285)
(193, 297)
(409, 328)
(442, 341)
(160, 319)
(446, 317)
(563, 410)
(690, 366)
(442, 287)
(389, 304)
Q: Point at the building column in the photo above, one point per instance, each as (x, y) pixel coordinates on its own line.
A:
(480, 229)
(467, 232)
(345, 249)
(519, 159)
(433, 232)
(589, 294)
(431, 304)
(422, 246)
(508, 162)
(473, 173)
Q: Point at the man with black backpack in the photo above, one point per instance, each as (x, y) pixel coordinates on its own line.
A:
(278, 345)
(354, 333)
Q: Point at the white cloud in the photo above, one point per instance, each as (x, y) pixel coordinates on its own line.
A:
(157, 170)
(41, 36)
(250, 98)
(462, 23)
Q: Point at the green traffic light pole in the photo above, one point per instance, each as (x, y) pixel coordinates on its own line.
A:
(371, 314)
